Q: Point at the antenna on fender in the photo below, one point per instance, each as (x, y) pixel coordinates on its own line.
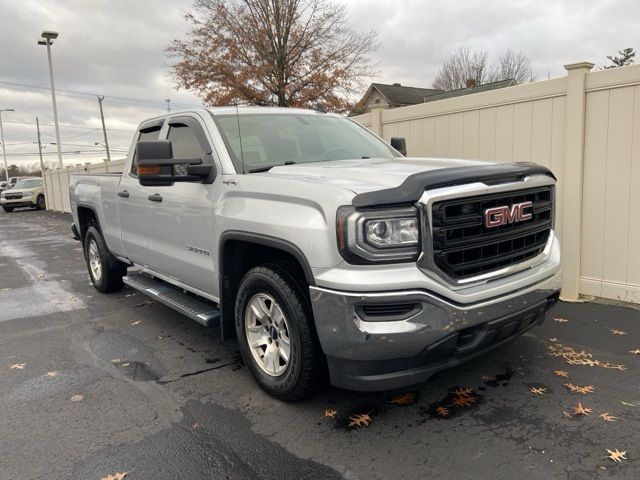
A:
(240, 138)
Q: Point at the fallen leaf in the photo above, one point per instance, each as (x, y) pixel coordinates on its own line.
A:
(617, 332)
(554, 339)
(608, 418)
(137, 322)
(616, 455)
(77, 398)
(538, 390)
(330, 413)
(462, 401)
(463, 391)
(159, 337)
(52, 374)
(195, 425)
(116, 360)
(443, 411)
(561, 373)
(115, 476)
(487, 378)
(628, 404)
(566, 414)
(580, 410)
(560, 320)
(18, 366)
(125, 364)
(584, 390)
(360, 420)
(402, 399)
(615, 366)
(635, 352)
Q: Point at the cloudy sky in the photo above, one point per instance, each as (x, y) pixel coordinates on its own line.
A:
(116, 48)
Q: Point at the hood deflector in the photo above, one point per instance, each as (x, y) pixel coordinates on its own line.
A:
(414, 186)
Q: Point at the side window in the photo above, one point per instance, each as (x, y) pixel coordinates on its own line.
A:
(144, 134)
(185, 143)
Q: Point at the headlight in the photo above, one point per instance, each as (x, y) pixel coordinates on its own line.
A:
(28, 194)
(378, 236)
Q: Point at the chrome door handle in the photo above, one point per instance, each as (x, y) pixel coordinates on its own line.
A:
(123, 194)
(156, 197)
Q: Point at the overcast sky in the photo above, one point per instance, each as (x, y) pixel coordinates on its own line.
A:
(116, 48)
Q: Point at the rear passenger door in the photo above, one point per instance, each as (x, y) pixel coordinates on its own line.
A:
(133, 204)
(182, 216)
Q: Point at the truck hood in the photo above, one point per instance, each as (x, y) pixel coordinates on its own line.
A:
(366, 175)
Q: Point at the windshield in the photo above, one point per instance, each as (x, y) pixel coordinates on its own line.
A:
(268, 140)
(36, 182)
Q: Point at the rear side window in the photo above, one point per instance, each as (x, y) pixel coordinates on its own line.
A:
(150, 133)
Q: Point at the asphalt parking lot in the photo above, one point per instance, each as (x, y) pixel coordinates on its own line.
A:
(93, 384)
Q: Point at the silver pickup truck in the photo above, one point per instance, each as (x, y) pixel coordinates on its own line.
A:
(322, 247)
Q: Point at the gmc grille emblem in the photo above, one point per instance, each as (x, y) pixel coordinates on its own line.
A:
(497, 216)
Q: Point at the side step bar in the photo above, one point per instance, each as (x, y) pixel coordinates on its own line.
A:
(194, 308)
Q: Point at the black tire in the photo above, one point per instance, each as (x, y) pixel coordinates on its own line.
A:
(306, 361)
(8, 209)
(41, 204)
(111, 270)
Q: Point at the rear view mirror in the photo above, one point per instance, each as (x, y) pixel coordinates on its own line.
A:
(400, 144)
(157, 167)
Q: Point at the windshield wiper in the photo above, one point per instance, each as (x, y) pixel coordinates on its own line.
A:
(266, 169)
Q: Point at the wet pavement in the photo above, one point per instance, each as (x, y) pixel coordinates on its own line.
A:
(94, 384)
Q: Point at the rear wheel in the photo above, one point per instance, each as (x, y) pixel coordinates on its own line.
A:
(275, 330)
(8, 209)
(105, 273)
(40, 203)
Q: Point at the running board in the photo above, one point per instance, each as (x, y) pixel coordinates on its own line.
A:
(190, 306)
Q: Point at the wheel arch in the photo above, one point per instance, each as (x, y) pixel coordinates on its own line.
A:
(240, 251)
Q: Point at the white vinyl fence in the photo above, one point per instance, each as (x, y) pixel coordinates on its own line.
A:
(586, 128)
(56, 182)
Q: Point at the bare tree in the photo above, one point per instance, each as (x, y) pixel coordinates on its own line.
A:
(514, 65)
(461, 67)
(466, 68)
(273, 52)
(622, 59)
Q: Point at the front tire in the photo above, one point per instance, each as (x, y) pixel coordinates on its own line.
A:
(8, 209)
(276, 334)
(105, 276)
(41, 203)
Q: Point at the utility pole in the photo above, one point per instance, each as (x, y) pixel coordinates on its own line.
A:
(4, 150)
(47, 40)
(168, 100)
(104, 129)
(40, 148)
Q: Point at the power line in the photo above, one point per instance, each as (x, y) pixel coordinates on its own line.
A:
(24, 86)
(69, 126)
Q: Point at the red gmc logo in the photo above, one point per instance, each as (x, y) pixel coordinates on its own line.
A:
(494, 217)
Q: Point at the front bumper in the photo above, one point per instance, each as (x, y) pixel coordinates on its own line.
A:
(22, 202)
(381, 354)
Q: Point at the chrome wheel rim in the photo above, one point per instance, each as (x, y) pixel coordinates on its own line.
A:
(267, 333)
(95, 266)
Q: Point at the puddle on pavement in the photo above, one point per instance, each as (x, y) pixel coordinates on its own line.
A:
(137, 371)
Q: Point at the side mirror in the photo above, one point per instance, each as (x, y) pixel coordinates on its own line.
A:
(400, 144)
(158, 168)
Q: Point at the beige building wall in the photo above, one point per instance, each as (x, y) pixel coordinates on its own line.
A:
(586, 128)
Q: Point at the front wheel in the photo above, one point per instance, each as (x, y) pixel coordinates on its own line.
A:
(275, 330)
(8, 209)
(105, 276)
(40, 203)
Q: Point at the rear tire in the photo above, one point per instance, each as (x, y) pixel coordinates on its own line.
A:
(41, 203)
(105, 272)
(273, 314)
(8, 209)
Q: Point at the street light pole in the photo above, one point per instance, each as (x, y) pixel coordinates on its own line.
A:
(104, 129)
(4, 150)
(48, 37)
